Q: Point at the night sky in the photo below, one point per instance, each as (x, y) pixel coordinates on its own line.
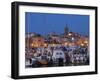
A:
(45, 23)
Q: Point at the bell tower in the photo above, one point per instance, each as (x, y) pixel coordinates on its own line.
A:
(66, 30)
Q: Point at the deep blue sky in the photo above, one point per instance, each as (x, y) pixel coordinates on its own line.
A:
(45, 23)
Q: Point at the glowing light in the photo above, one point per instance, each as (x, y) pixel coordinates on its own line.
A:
(45, 45)
(82, 44)
(72, 38)
(70, 44)
(53, 44)
(32, 44)
(69, 34)
(86, 42)
(66, 43)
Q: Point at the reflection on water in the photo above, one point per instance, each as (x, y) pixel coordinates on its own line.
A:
(57, 65)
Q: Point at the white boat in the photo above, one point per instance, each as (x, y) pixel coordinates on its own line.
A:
(58, 54)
